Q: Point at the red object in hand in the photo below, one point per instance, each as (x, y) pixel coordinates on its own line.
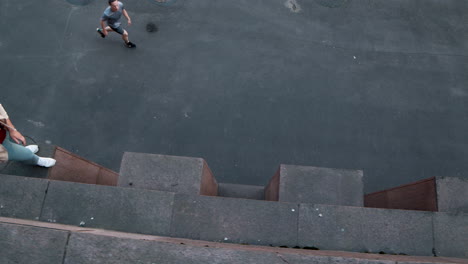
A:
(2, 135)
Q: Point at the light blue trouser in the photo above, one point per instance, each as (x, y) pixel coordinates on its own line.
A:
(18, 152)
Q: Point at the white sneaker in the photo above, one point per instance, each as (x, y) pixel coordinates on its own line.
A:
(33, 148)
(46, 162)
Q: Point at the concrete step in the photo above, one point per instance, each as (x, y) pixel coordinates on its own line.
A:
(452, 194)
(25, 241)
(115, 208)
(306, 184)
(167, 173)
(22, 197)
(235, 220)
(241, 191)
(187, 175)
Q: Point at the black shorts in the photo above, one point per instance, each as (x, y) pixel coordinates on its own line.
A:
(118, 29)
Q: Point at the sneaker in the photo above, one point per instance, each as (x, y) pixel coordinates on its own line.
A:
(46, 162)
(33, 148)
(98, 30)
(130, 45)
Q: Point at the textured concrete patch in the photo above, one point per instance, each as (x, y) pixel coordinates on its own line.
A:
(451, 234)
(452, 194)
(167, 173)
(314, 185)
(235, 220)
(365, 229)
(21, 197)
(123, 209)
(288, 255)
(86, 248)
(26, 244)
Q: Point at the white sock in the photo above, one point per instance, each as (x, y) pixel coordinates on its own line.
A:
(33, 148)
(46, 162)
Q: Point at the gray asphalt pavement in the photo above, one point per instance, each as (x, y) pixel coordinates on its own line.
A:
(377, 85)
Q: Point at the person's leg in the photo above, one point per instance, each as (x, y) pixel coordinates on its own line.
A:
(125, 36)
(122, 32)
(99, 30)
(18, 152)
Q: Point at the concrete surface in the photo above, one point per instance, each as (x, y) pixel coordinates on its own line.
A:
(451, 234)
(452, 194)
(85, 248)
(21, 197)
(306, 184)
(122, 209)
(365, 229)
(29, 244)
(185, 175)
(88, 245)
(247, 85)
(235, 220)
(241, 191)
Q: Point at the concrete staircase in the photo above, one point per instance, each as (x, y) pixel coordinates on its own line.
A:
(25, 241)
(178, 197)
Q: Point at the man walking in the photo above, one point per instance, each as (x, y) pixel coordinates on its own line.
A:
(112, 16)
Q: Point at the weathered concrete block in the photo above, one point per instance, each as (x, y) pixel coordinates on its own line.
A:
(167, 173)
(122, 209)
(241, 191)
(88, 248)
(26, 244)
(235, 220)
(21, 197)
(452, 194)
(365, 229)
(304, 184)
(451, 234)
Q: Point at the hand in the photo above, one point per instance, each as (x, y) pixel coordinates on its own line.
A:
(129, 22)
(17, 137)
